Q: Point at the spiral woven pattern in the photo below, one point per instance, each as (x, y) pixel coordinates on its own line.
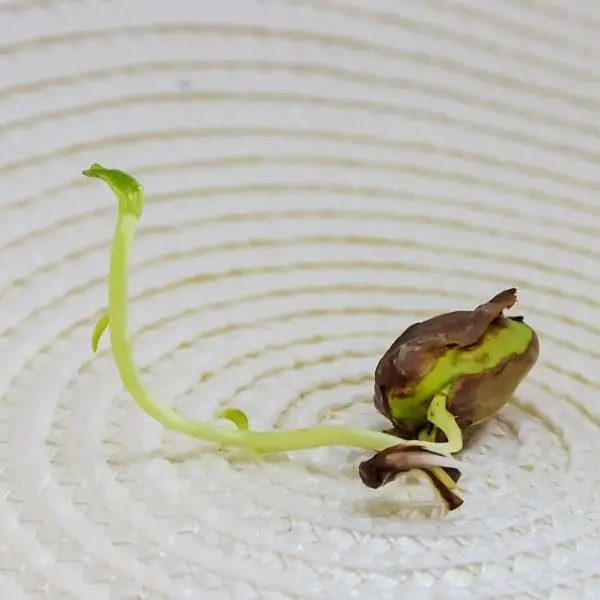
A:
(319, 174)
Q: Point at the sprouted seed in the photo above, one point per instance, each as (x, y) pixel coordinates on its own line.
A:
(439, 378)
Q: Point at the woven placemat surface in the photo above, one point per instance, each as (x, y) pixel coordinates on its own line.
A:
(319, 175)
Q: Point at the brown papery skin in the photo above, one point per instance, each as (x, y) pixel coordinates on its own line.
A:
(474, 398)
(386, 465)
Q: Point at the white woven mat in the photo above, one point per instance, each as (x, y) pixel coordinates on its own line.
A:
(319, 174)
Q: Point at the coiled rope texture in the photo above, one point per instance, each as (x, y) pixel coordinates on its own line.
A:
(319, 174)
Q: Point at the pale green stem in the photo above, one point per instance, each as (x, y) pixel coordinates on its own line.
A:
(438, 415)
(130, 196)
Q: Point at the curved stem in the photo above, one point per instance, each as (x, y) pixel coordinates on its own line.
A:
(443, 419)
(130, 196)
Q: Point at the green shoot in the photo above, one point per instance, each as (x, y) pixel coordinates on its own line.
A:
(441, 418)
(130, 198)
